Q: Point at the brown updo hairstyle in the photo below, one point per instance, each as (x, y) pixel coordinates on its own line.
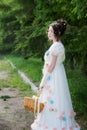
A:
(59, 27)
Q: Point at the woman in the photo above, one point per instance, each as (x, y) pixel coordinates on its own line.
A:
(58, 113)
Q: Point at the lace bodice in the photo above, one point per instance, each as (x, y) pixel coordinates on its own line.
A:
(56, 49)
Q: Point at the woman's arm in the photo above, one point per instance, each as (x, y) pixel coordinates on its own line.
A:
(52, 64)
(49, 70)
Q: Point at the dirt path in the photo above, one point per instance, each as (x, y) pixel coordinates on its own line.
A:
(13, 115)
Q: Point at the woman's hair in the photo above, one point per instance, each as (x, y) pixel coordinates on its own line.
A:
(59, 27)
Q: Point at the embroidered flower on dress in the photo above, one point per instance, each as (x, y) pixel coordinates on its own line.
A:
(48, 98)
(51, 102)
(64, 118)
(47, 86)
(77, 125)
(52, 109)
(71, 127)
(62, 112)
(49, 77)
(46, 127)
(54, 128)
(63, 128)
(72, 114)
(60, 117)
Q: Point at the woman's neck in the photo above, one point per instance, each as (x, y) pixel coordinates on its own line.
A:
(56, 40)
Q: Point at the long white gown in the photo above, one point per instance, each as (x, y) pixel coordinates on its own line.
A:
(58, 113)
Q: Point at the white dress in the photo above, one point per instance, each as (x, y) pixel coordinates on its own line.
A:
(58, 113)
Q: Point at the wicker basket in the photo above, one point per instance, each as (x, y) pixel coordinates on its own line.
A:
(32, 104)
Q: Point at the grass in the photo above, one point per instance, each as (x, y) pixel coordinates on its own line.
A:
(31, 67)
(13, 79)
(78, 89)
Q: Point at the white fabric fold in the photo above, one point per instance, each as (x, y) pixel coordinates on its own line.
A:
(44, 79)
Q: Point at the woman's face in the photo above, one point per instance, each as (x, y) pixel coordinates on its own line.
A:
(50, 33)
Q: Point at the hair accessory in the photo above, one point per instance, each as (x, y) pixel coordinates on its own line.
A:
(64, 24)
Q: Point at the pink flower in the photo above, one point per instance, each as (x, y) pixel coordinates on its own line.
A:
(71, 128)
(51, 109)
(77, 125)
(72, 114)
(48, 98)
(60, 117)
(62, 113)
(63, 128)
(47, 87)
(46, 127)
(54, 128)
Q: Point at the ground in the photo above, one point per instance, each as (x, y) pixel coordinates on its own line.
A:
(13, 115)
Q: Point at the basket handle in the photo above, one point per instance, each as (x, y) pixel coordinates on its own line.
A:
(35, 105)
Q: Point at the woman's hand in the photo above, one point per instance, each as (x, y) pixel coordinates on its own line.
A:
(39, 92)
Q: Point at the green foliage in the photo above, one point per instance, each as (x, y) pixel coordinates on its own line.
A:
(80, 9)
(78, 85)
(24, 24)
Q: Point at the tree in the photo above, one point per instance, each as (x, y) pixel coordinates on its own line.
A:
(24, 24)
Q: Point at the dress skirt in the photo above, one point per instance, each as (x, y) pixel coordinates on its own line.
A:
(58, 113)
